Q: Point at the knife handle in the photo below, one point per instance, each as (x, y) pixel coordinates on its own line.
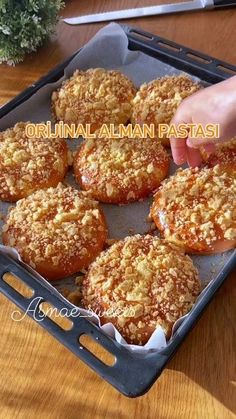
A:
(224, 3)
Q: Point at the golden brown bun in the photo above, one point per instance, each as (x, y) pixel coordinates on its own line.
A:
(157, 101)
(224, 155)
(141, 283)
(29, 164)
(196, 209)
(95, 97)
(120, 170)
(58, 231)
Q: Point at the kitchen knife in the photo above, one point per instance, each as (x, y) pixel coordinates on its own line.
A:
(186, 6)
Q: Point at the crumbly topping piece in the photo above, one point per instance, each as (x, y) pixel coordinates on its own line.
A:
(121, 170)
(157, 101)
(96, 97)
(139, 283)
(60, 227)
(27, 164)
(74, 297)
(197, 208)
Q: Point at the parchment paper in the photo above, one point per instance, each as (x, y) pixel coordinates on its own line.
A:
(109, 49)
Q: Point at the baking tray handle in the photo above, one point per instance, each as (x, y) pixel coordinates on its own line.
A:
(184, 58)
(131, 373)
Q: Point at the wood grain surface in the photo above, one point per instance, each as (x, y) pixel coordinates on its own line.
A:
(39, 378)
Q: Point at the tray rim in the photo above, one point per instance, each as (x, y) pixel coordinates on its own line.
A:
(157, 361)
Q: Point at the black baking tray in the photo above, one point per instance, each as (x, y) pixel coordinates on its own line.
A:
(132, 374)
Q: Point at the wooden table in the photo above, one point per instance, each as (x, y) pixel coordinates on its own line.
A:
(39, 377)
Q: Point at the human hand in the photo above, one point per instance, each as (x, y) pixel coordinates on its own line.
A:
(213, 105)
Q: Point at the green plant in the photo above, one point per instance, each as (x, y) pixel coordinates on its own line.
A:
(24, 25)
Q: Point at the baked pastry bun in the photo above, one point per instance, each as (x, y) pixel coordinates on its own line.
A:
(141, 283)
(29, 164)
(122, 170)
(224, 155)
(196, 209)
(96, 97)
(157, 101)
(58, 231)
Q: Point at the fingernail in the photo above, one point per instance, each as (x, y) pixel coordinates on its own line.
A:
(179, 160)
(179, 157)
(191, 144)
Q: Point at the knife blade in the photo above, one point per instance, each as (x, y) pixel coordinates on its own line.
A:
(144, 11)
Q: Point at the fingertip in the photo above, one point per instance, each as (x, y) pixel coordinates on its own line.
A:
(192, 143)
(178, 149)
(179, 160)
(194, 157)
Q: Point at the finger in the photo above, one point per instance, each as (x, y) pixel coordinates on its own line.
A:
(194, 157)
(178, 145)
(179, 150)
(209, 148)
